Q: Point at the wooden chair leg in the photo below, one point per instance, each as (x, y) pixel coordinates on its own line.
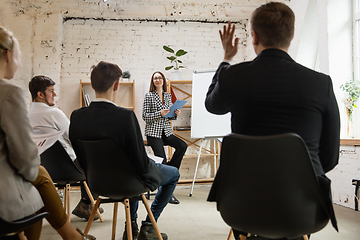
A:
(92, 199)
(151, 216)
(91, 219)
(128, 219)
(230, 234)
(242, 237)
(113, 232)
(67, 192)
(65, 198)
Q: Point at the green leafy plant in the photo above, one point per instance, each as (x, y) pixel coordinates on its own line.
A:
(352, 89)
(174, 59)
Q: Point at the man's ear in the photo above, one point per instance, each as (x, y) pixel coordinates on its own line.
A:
(255, 38)
(116, 85)
(40, 95)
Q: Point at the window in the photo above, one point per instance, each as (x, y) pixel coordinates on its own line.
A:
(356, 64)
(356, 42)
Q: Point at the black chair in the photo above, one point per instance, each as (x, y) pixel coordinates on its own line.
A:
(268, 187)
(111, 175)
(9, 229)
(64, 173)
(356, 183)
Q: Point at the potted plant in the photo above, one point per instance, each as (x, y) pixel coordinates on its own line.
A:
(352, 89)
(174, 58)
(126, 75)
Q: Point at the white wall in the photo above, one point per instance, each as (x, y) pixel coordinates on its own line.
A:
(136, 46)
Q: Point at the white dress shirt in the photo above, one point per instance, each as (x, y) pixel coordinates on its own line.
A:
(50, 123)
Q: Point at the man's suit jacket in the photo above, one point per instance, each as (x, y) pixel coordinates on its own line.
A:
(103, 120)
(19, 160)
(273, 94)
(155, 123)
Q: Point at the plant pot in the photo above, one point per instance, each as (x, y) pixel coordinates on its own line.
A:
(176, 75)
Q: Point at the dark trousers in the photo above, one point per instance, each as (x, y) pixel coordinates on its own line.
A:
(157, 145)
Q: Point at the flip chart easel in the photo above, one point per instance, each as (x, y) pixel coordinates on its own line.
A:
(205, 125)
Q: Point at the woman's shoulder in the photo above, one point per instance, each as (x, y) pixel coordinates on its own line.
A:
(167, 94)
(7, 88)
(150, 94)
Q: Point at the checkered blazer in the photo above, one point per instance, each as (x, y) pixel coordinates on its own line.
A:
(152, 107)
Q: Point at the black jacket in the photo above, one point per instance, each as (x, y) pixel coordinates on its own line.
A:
(104, 120)
(272, 95)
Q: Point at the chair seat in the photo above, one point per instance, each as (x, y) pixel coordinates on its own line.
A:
(10, 228)
(121, 184)
(267, 186)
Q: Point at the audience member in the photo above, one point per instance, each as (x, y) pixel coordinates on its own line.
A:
(273, 94)
(158, 130)
(51, 123)
(25, 186)
(104, 120)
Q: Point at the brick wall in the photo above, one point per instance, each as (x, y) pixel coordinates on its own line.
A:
(341, 176)
(136, 46)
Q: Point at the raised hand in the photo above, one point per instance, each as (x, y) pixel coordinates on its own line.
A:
(227, 39)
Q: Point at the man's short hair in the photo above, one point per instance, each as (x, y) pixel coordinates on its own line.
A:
(273, 22)
(39, 84)
(104, 75)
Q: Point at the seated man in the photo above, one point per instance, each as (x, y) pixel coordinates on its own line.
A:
(51, 123)
(288, 96)
(104, 120)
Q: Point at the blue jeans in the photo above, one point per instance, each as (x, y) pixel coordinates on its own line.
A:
(170, 178)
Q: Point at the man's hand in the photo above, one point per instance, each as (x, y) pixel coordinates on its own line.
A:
(227, 37)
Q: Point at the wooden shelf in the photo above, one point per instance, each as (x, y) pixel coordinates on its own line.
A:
(125, 95)
(350, 141)
(183, 91)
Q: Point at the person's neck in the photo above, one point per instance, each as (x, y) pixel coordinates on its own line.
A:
(39, 101)
(109, 95)
(159, 91)
(259, 48)
(2, 68)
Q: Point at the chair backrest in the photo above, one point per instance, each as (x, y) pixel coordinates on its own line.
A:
(108, 170)
(20, 225)
(60, 166)
(268, 186)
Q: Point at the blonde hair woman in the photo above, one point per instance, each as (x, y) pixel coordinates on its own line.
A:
(25, 186)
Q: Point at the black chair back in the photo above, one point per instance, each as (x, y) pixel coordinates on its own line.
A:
(268, 187)
(108, 171)
(60, 166)
(20, 225)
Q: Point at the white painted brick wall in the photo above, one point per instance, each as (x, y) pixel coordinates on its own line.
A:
(342, 175)
(136, 46)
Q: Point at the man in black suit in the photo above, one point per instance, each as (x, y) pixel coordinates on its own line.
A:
(273, 94)
(104, 120)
